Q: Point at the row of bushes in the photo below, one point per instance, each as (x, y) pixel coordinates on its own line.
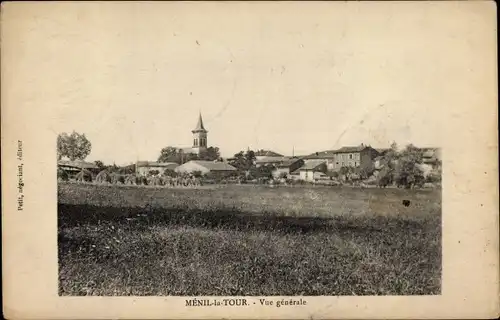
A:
(129, 179)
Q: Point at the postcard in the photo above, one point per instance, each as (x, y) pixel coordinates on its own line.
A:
(249, 160)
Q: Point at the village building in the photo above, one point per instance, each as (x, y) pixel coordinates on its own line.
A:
(205, 167)
(145, 168)
(345, 157)
(312, 170)
(73, 167)
(287, 166)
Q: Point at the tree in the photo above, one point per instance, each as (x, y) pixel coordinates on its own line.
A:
(250, 157)
(169, 154)
(347, 172)
(170, 173)
(243, 161)
(366, 169)
(99, 164)
(153, 172)
(407, 171)
(210, 154)
(172, 154)
(239, 161)
(74, 146)
(62, 175)
(197, 174)
(130, 169)
(385, 177)
(261, 172)
(112, 168)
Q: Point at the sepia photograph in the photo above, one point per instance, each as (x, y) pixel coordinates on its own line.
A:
(236, 160)
(225, 167)
(355, 220)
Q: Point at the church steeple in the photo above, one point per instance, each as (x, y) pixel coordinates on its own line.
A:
(199, 136)
(199, 126)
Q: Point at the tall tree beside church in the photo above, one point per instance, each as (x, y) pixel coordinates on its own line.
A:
(210, 154)
(169, 154)
(172, 154)
(74, 146)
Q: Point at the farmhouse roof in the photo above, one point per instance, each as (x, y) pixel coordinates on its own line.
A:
(77, 164)
(267, 153)
(311, 165)
(214, 165)
(321, 155)
(288, 162)
(271, 159)
(351, 149)
(166, 165)
(199, 125)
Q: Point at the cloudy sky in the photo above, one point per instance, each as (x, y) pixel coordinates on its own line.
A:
(281, 76)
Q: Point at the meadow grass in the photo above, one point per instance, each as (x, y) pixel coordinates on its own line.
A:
(248, 240)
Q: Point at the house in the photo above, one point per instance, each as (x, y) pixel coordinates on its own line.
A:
(261, 154)
(73, 167)
(205, 167)
(309, 171)
(287, 166)
(145, 167)
(353, 156)
(345, 157)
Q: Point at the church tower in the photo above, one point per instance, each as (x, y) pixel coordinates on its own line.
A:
(199, 136)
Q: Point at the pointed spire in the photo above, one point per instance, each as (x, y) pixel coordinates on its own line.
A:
(199, 126)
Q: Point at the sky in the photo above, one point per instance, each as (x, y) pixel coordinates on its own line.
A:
(292, 78)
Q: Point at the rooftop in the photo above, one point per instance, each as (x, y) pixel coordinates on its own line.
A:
(310, 165)
(77, 164)
(351, 149)
(156, 164)
(288, 162)
(271, 159)
(214, 165)
(331, 153)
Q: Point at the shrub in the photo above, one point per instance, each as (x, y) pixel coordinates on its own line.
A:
(103, 177)
(84, 176)
(62, 175)
(131, 179)
(197, 174)
(153, 172)
(170, 173)
(117, 178)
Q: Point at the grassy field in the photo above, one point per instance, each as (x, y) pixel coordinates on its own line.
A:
(248, 240)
